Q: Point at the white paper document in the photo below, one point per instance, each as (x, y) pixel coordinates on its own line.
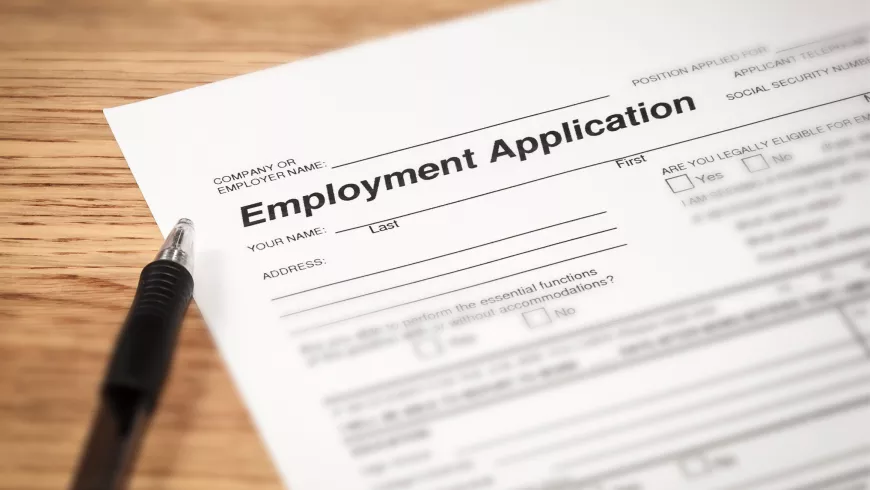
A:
(562, 245)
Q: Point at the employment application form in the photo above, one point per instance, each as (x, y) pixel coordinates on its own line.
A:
(563, 245)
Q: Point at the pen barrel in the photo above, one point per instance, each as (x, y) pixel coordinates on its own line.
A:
(135, 376)
(143, 353)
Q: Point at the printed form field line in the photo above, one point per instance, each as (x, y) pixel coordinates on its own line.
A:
(470, 131)
(360, 315)
(630, 404)
(650, 150)
(801, 468)
(716, 293)
(829, 37)
(785, 402)
(847, 476)
(599, 372)
(447, 273)
(714, 402)
(760, 431)
(438, 256)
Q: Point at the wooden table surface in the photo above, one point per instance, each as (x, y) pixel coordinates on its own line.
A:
(75, 231)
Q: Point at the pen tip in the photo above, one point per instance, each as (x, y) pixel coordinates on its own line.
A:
(178, 246)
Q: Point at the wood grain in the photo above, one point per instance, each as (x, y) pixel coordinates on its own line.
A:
(75, 231)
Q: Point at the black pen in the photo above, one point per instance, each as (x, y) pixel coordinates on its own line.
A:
(139, 365)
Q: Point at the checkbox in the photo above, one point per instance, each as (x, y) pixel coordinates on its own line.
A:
(680, 183)
(694, 466)
(755, 163)
(427, 348)
(537, 318)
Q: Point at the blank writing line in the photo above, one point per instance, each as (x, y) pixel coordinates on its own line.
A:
(597, 372)
(861, 382)
(471, 197)
(602, 162)
(826, 484)
(828, 38)
(721, 399)
(604, 326)
(472, 131)
(800, 357)
(750, 434)
(437, 256)
(801, 468)
(446, 273)
(308, 329)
